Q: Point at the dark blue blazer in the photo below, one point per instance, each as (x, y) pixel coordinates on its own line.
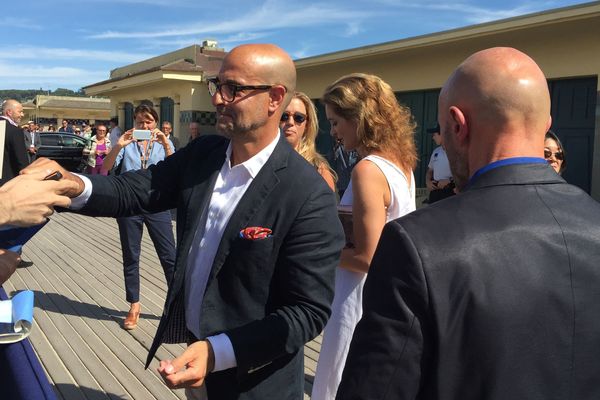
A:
(491, 294)
(269, 296)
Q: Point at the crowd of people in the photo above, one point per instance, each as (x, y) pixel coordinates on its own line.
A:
(489, 292)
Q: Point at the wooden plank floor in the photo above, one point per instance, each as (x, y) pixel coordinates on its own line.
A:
(80, 305)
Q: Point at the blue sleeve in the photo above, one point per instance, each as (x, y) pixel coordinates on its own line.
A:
(120, 156)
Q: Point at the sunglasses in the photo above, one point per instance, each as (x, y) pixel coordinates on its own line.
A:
(298, 117)
(558, 155)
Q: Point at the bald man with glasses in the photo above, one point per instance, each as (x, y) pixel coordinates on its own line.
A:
(258, 238)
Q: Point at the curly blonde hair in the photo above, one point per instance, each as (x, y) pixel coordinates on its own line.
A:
(306, 146)
(383, 125)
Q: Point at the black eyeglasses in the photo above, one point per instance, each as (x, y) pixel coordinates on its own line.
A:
(228, 91)
(559, 155)
(298, 117)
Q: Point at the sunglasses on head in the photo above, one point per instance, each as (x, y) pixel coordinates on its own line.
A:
(298, 117)
(558, 155)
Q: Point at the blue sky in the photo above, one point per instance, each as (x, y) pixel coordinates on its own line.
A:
(74, 43)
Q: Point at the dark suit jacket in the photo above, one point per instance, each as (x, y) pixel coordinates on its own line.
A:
(491, 294)
(269, 296)
(15, 154)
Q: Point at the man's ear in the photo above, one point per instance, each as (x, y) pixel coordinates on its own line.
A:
(459, 127)
(549, 123)
(276, 97)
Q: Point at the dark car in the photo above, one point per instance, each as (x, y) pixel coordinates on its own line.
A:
(69, 150)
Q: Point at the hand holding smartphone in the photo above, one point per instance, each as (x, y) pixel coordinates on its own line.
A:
(142, 134)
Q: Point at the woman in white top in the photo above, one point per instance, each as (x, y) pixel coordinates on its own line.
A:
(364, 116)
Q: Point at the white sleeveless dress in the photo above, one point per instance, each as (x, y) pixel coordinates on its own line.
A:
(347, 302)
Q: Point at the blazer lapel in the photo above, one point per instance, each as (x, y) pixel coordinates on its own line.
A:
(203, 180)
(251, 202)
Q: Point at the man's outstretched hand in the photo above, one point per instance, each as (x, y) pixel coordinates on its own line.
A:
(28, 199)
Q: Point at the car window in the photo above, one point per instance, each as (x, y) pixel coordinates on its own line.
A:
(49, 139)
(72, 141)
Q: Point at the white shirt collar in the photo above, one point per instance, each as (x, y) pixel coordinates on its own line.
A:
(256, 162)
(6, 117)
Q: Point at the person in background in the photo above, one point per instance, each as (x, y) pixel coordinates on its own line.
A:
(300, 126)
(554, 152)
(51, 128)
(494, 293)
(136, 155)
(32, 140)
(15, 152)
(167, 128)
(114, 130)
(65, 127)
(365, 116)
(439, 177)
(194, 131)
(86, 133)
(100, 147)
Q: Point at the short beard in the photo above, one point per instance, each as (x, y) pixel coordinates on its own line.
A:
(231, 130)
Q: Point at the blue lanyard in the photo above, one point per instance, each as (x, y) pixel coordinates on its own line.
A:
(505, 162)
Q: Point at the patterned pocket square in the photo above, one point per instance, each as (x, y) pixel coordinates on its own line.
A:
(255, 233)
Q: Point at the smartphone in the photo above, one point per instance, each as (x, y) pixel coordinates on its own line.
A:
(14, 237)
(142, 134)
(55, 176)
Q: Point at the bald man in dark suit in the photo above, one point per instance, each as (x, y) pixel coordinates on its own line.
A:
(15, 152)
(493, 293)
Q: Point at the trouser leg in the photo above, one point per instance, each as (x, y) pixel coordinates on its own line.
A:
(130, 232)
(161, 232)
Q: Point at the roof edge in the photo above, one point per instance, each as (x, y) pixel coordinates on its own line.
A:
(579, 11)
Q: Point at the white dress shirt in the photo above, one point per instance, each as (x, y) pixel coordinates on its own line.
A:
(230, 186)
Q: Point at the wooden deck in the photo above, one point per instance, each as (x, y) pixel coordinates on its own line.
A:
(79, 308)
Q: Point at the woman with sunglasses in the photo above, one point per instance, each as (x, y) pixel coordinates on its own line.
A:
(364, 116)
(300, 126)
(554, 152)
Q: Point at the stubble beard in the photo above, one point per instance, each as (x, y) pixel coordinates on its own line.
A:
(459, 163)
(233, 128)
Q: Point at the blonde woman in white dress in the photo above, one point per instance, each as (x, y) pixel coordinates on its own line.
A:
(364, 116)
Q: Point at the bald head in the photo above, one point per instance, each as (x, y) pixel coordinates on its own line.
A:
(495, 105)
(265, 63)
(9, 105)
(13, 109)
(501, 86)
